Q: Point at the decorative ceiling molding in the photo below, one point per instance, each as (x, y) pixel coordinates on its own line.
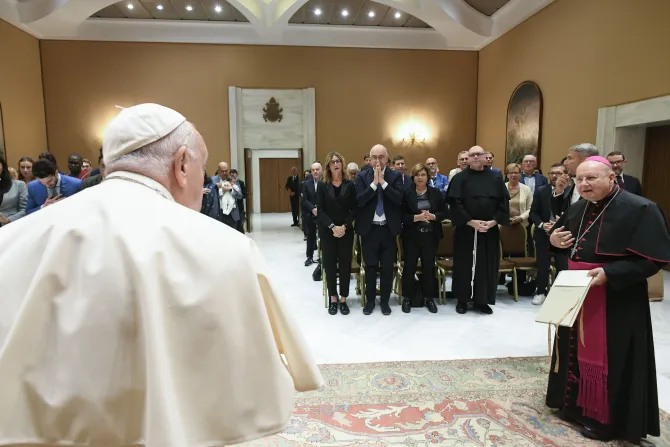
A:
(455, 24)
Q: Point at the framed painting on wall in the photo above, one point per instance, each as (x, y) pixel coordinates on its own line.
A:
(2, 137)
(524, 123)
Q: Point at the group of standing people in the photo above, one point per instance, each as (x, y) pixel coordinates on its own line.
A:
(379, 205)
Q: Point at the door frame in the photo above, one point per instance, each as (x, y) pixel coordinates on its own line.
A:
(256, 155)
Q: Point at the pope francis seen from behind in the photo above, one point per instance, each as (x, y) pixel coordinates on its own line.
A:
(117, 329)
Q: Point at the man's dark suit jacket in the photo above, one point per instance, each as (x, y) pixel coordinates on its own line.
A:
(631, 184)
(309, 197)
(541, 209)
(293, 185)
(240, 202)
(407, 183)
(540, 180)
(367, 201)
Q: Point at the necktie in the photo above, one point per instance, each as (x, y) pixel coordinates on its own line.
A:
(380, 201)
(619, 181)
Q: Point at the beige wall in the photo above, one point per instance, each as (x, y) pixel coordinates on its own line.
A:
(362, 96)
(21, 93)
(584, 54)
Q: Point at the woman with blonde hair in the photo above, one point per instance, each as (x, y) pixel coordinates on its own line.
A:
(336, 205)
(521, 197)
(423, 210)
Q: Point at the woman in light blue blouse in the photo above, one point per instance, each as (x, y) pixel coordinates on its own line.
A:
(13, 196)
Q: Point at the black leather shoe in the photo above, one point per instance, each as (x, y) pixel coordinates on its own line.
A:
(430, 305)
(386, 309)
(344, 309)
(461, 307)
(294, 224)
(406, 305)
(485, 309)
(369, 307)
(590, 433)
(332, 309)
(309, 262)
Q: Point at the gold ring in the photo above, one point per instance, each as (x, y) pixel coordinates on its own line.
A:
(562, 243)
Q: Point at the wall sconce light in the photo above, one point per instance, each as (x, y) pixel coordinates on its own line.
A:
(414, 137)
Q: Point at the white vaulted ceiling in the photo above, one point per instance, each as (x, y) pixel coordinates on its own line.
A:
(409, 24)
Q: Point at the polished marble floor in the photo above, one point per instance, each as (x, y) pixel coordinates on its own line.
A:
(356, 338)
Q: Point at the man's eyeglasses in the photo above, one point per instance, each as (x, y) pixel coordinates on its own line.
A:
(588, 179)
(377, 158)
(617, 163)
(477, 154)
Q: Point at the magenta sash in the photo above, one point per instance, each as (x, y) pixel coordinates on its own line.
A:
(592, 350)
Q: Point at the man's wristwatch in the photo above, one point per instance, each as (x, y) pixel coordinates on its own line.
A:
(331, 226)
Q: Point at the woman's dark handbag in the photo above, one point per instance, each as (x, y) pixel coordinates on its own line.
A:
(418, 299)
(316, 274)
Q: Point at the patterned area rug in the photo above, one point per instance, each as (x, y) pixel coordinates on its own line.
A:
(492, 403)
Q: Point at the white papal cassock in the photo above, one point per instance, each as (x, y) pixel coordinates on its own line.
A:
(127, 319)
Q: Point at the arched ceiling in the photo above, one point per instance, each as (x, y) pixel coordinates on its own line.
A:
(419, 24)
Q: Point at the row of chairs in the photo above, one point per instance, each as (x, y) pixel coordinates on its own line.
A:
(514, 258)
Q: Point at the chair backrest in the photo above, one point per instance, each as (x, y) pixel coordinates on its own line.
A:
(513, 240)
(445, 248)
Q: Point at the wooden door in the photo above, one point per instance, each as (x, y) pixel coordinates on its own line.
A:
(273, 173)
(655, 179)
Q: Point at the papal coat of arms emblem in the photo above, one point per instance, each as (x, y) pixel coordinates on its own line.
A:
(272, 111)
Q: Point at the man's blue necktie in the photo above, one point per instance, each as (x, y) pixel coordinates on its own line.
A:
(380, 201)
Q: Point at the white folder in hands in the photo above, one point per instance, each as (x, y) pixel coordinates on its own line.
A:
(565, 298)
(563, 303)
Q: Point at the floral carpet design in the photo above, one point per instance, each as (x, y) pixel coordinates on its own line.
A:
(464, 403)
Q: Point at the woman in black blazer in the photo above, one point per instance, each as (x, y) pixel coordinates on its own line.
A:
(335, 208)
(423, 212)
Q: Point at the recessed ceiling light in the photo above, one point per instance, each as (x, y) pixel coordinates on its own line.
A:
(345, 13)
(189, 8)
(130, 6)
(371, 14)
(218, 8)
(159, 7)
(317, 12)
(398, 15)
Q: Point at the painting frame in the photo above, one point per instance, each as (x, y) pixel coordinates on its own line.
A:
(3, 146)
(523, 134)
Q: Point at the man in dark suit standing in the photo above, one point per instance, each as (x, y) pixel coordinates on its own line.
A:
(398, 165)
(378, 222)
(543, 215)
(627, 182)
(309, 189)
(293, 188)
(240, 202)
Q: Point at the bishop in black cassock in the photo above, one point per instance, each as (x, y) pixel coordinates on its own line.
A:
(603, 372)
(478, 202)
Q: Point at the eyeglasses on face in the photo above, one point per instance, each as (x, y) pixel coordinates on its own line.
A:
(336, 161)
(378, 157)
(477, 154)
(588, 179)
(617, 162)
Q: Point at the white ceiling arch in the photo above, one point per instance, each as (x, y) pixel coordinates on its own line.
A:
(455, 24)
